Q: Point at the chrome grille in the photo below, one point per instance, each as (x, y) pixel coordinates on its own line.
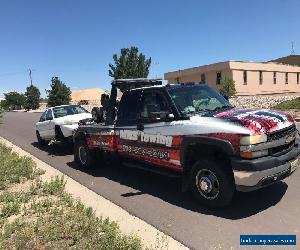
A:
(282, 133)
(282, 149)
(279, 135)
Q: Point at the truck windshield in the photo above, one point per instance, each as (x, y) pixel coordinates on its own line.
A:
(197, 99)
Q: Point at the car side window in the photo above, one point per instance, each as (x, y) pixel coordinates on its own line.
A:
(49, 115)
(43, 117)
(153, 105)
(128, 108)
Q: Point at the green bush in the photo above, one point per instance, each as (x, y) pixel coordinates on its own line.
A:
(14, 169)
(291, 104)
(44, 216)
(55, 187)
(1, 113)
(227, 88)
(10, 208)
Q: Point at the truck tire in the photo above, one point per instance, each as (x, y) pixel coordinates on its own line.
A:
(83, 155)
(41, 141)
(212, 183)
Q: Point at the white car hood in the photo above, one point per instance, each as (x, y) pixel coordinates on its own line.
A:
(73, 118)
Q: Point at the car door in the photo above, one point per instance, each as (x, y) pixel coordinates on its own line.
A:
(40, 126)
(156, 132)
(47, 127)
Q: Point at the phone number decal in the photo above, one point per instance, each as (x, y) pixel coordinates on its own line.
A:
(146, 152)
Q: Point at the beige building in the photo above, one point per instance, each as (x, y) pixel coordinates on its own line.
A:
(251, 78)
(90, 96)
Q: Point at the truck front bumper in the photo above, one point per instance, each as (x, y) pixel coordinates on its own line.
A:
(257, 173)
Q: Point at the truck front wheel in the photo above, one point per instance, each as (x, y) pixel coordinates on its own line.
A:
(83, 154)
(212, 183)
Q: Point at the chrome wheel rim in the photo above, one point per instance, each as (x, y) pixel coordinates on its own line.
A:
(82, 154)
(207, 184)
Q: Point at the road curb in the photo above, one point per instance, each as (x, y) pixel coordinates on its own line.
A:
(129, 224)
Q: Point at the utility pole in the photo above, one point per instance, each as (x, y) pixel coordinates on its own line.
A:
(30, 71)
(293, 51)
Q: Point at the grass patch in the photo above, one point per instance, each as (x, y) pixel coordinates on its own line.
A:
(55, 187)
(291, 104)
(11, 208)
(44, 216)
(15, 169)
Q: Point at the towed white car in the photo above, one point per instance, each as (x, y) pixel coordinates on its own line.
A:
(58, 123)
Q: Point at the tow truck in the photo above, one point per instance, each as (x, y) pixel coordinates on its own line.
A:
(191, 132)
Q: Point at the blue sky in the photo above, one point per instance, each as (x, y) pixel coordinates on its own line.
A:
(75, 40)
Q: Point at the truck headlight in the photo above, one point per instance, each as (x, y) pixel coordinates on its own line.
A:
(253, 139)
(245, 146)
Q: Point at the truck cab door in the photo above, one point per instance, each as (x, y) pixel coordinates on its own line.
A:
(146, 135)
(127, 122)
(157, 133)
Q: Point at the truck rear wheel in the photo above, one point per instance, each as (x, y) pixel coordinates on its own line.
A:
(83, 155)
(212, 183)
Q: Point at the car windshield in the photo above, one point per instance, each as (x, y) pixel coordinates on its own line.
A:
(197, 99)
(68, 110)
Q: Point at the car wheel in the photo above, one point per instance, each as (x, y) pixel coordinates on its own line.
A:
(83, 155)
(39, 139)
(59, 136)
(212, 183)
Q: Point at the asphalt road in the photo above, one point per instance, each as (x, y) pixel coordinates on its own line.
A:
(158, 200)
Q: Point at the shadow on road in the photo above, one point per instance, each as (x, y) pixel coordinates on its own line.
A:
(168, 189)
(55, 149)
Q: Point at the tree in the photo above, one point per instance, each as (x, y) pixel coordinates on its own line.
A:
(45, 100)
(14, 100)
(1, 108)
(227, 88)
(3, 104)
(32, 95)
(130, 64)
(59, 94)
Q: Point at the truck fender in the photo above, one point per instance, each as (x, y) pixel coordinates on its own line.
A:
(219, 144)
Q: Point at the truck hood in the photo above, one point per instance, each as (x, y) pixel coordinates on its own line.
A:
(258, 120)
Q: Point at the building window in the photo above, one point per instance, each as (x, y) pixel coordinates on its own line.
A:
(274, 77)
(298, 76)
(260, 77)
(203, 78)
(219, 78)
(245, 77)
(286, 78)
